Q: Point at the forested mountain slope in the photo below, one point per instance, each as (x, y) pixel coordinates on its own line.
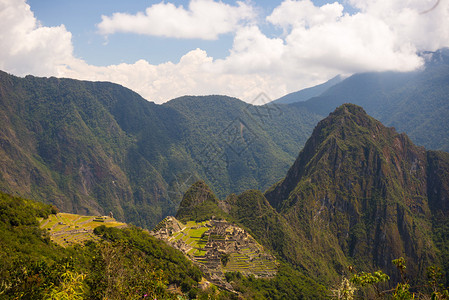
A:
(361, 193)
(125, 264)
(95, 147)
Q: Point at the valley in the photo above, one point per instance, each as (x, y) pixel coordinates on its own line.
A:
(210, 197)
(224, 150)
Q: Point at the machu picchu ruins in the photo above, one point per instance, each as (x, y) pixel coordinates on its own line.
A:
(217, 247)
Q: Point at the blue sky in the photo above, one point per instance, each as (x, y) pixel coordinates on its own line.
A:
(81, 17)
(167, 49)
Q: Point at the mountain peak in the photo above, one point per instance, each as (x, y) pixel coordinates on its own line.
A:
(348, 141)
(199, 203)
(348, 108)
(350, 112)
(356, 173)
(347, 125)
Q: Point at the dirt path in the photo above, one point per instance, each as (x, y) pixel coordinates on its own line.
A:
(45, 222)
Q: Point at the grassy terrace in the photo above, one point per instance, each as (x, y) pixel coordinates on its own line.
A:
(192, 236)
(243, 263)
(246, 255)
(67, 229)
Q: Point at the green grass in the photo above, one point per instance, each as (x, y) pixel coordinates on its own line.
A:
(246, 261)
(66, 229)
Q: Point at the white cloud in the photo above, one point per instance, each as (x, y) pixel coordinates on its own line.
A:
(26, 46)
(316, 44)
(304, 14)
(195, 74)
(204, 19)
(324, 38)
(422, 23)
(252, 52)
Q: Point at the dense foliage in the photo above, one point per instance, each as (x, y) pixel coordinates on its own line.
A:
(199, 203)
(128, 264)
(330, 211)
(362, 194)
(98, 147)
(359, 193)
(95, 147)
(288, 284)
(363, 285)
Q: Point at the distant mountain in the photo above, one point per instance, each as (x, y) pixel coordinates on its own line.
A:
(416, 103)
(95, 147)
(239, 146)
(307, 93)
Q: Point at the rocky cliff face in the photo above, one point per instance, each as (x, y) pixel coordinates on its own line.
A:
(362, 188)
(438, 196)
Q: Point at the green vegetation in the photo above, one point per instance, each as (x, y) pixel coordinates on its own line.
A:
(126, 264)
(331, 209)
(359, 193)
(356, 194)
(218, 247)
(288, 284)
(243, 267)
(193, 236)
(95, 147)
(357, 287)
(198, 204)
(68, 229)
(98, 147)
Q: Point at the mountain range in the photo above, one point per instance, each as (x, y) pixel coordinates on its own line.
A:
(359, 194)
(416, 103)
(308, 93)
(95, 147)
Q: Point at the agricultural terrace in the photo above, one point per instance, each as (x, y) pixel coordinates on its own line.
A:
(67, 229)
(217, 247)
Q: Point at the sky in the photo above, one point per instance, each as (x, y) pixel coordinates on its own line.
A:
(167, 49)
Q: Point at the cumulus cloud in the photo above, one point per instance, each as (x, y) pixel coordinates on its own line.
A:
(317, 43)
(422, 23)
(204, 19)
(305, 14)
(26, 46)
(325, 37)
(252, 52)
(196, 73)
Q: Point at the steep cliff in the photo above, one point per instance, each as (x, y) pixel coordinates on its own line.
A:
(358, 193)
